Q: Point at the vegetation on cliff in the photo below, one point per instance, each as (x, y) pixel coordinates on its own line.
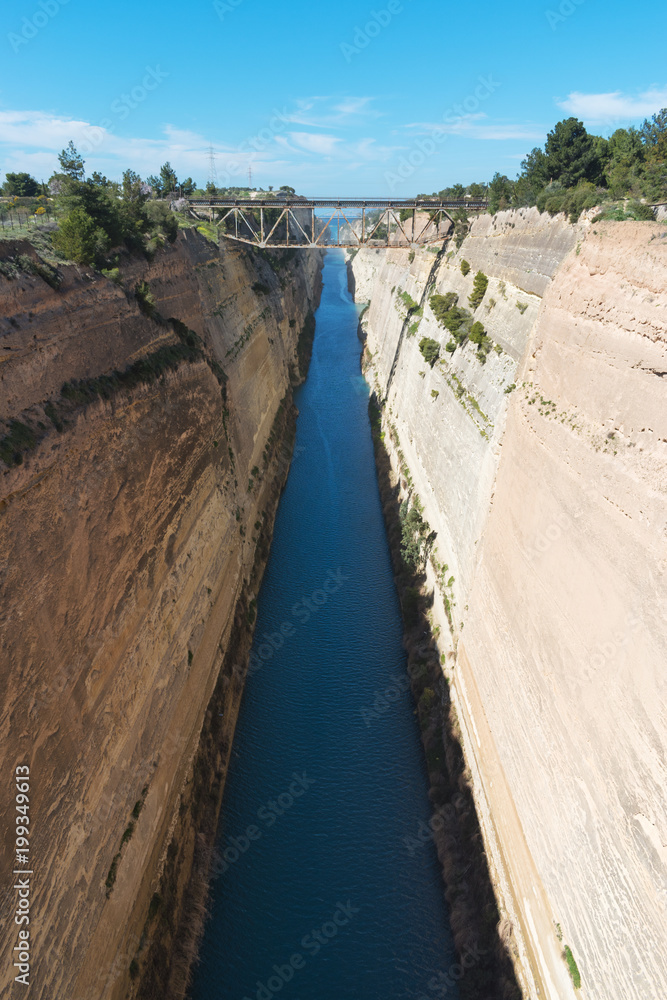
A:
(474, 916)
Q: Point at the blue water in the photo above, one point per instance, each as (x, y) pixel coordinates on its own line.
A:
(321, 875)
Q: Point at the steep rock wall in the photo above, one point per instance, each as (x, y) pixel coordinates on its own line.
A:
(554, 523)
(128, 537)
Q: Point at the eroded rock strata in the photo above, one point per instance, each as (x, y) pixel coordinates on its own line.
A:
(543, 473)
(147, 430)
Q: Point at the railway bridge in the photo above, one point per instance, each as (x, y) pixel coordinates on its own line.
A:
(309, 223)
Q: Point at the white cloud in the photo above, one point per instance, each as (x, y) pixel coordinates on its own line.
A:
(614, 105)
(356, 106)
(31, 140)
(324, 145)
(327, 114)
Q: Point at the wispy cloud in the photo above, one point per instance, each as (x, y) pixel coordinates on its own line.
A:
(332, 112)
(477, 127)
(315, 142)
(614, 105)
(31, 140)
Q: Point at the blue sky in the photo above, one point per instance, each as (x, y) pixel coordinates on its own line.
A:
(395, 97)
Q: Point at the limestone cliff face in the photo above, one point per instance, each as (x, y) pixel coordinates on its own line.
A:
(127, 537)
(550, 506)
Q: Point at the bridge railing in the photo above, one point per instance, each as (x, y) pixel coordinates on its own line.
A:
(352, 222)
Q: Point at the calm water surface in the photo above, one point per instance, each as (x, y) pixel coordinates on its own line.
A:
(325, 895)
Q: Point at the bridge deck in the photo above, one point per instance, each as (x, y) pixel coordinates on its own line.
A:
(295, 222)
(419, 204)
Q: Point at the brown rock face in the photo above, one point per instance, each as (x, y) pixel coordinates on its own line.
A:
(126, 541)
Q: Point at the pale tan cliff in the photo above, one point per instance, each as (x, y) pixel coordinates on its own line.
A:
(126, 543)
(555, 526)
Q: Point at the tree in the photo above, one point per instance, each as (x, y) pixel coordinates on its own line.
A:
(79, 238)
(430, 350)
(476, 190)
(71, 163)
(654, 135)
(168, 178)
(99, 203)
(132, 187)
(571, 154)
(534, 175)
(155, 184)
(162, 219)
(132, 208)
(21, 185)
(479, 287)
(188, 186)
(500, 193)
(99, 180)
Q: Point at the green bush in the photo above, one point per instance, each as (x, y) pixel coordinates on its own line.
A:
(113, 274)
(441, 304)
(161, 219)
(572, 966)
(79, 238)
(430, 350)
(465, 268)
(145, 298)
(19, 439)
(479, 287)
(478, 336)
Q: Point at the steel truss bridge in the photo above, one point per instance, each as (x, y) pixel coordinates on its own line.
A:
(352, 222)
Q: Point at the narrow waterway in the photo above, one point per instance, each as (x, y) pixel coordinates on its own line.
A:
(325, 889)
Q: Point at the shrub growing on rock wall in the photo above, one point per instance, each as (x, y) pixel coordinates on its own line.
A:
(465, 268)
(479, 287)
(441, 304)
(430, 350)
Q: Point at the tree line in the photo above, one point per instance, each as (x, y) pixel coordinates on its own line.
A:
(576, 170)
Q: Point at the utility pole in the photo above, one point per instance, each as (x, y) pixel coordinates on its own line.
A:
(212, 172)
